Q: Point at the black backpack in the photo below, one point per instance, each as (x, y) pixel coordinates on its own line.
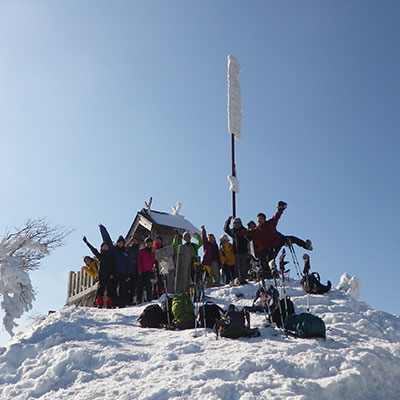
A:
(312, 285)
(152, 317)
(234, 324)
(287, 308)
(212, 311)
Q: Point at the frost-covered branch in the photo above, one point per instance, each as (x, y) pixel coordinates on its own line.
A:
(33, 242)
(20, 252)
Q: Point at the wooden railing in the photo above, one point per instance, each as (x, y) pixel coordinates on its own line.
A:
(81, 289)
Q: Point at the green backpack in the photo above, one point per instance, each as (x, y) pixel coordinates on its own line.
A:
(182, 311)
(305, 325)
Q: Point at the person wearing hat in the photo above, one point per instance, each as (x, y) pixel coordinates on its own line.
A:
(106, 275)
(121, 264)
(132, 251)
(240, 248)
(268, 241)
(91, 266)
(145, 264)
(227, 258)
(211, 259)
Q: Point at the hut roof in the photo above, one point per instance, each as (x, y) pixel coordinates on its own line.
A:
(147, 218)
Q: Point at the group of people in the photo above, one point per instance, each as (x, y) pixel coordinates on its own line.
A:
(265, 240)
(124, 271)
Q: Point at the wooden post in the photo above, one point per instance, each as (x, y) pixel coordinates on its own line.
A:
(70, 281)
(79, 282)
(183, 267)
(233, 174)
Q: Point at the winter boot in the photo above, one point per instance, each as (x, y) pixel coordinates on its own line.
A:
(99, 302)
(109, 302)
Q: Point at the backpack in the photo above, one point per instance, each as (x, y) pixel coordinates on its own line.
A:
(305, 325)
(275, 313)
(312, 285)
(152, 317)
(182, 311)
(212, 311)
(234, 324)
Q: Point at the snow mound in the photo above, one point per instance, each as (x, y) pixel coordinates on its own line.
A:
(350, 285)
(85, 353)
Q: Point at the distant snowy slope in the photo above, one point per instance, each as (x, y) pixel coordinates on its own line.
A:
(85, 353)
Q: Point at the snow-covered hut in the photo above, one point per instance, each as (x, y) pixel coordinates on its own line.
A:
(156, 223)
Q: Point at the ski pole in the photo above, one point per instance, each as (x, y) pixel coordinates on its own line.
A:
(306, 271)
(203, 298)
(295, 261)
(196, 309)
(164, 280)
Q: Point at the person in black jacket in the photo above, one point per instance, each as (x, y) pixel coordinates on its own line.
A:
(132, 251)
(240, 248)
(106, 275)
(121, 264)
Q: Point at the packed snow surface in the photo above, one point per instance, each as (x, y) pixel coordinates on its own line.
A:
(86, 353)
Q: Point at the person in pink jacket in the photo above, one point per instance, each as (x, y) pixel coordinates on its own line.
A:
(145, 263)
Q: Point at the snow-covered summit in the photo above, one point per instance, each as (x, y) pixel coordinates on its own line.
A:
(86, 353)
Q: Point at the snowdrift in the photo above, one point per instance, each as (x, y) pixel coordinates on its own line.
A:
(85, 353)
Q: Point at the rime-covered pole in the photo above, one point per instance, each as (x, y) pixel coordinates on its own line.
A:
(234, 121)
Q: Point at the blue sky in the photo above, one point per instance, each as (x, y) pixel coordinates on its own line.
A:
(104, 104)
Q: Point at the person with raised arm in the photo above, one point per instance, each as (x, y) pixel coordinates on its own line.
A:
(106, 275)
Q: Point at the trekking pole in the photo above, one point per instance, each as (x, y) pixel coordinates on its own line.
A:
(306, 272)
(295, 261)
(272, 267)
(164, 280)
(203, 298)
(196, 309)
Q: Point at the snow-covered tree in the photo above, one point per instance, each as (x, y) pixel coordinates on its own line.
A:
(21, 251)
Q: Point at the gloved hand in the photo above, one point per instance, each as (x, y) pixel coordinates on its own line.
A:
(282, 206)
(84, 239)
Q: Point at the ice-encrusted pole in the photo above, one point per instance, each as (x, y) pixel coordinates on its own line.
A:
(234, 121)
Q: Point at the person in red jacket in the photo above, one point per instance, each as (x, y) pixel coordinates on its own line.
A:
(267, 241)
(145, 263)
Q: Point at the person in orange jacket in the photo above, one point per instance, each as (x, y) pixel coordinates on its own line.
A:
(92, 266)
(227, 258)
